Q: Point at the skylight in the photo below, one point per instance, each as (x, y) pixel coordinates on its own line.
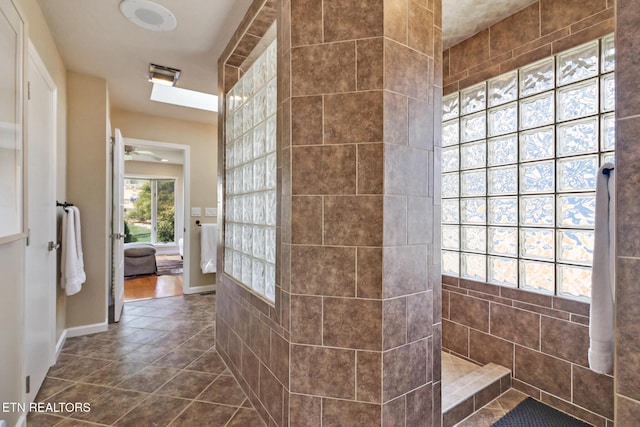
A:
(184, 97)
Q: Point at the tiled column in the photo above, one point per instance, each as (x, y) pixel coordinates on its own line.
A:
(360, 211)
(627, 364)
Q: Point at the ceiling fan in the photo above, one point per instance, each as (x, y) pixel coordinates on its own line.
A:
(131, 153)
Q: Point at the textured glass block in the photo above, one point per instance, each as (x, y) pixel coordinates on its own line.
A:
(450, 133)
(473, 155)
(451, 263)
(450, 237)
(537, 276)
(247, 147)
(247, 269)
(608, 86)
(272, 97)
(503, 180)
(473, 183)
(503, 211)
(578, 64)
(450, 185)
(473, 266)
(473, 239)
(228, 234)
(474, 127)
(578, 100)
(237, 180)
(578, 137)
(230, 101)
(237, 265)
(270, 139)
(575, 246)
(608, 53)
(270, 282)
(247, 117)
(228, 262)
(577, 210)
(228, 154)
(503, 241)
(503, 119)
(503, 150)
(237, 237)
(608, 131)
(537, 111)
(259, 139)
(259, 242)
(537, 211)
(260, 72)
(536, 77)
(537, 177)
(247, 178)
(258, 277)
(473, 99)
(473, 211)
(259, 174)
(574, 282)
(503, 271)
(247, 208)
(260, 106)
(536, 243)
(609, 158)
(228, 182)
(577, 173)
(450, 211)
(272, 59)
(450, 159)
(237, 124)
(259, 209)
(503, 89)
(270, 245)
(537, 144)
(247, 239)
(450, 107)
(271, 171)
(271, 208)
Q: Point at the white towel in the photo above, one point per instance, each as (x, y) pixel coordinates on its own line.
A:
(601, 321)
(72, 268)
(208, 243)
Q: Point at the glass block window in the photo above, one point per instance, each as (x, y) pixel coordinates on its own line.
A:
(519, 161)
(250, 177)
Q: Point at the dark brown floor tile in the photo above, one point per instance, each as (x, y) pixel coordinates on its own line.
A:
(204, 414)
(113, 374)
(39, 419)
(51, 386)
(208, 362)
(144, 355)
(187, 384)
(70, 422)
(78, 393)
(179, 358)
(246, 418)
(149, 379)
(224, 390)
(110, 406)
(73, 367)
(155, 411)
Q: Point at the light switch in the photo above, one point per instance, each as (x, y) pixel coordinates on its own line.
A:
(196, 212)
(210, 211)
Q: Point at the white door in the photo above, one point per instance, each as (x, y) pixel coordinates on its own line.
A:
(40, 275)
(117, 240)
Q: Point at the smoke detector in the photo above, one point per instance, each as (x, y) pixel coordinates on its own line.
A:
(148, 15)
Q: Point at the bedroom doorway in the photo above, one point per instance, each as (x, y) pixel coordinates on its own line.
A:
(156, 197)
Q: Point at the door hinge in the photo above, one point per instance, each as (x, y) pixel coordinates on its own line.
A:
(28, 236)
(28, 384)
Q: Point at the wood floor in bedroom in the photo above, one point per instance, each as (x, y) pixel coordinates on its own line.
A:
(150, 287)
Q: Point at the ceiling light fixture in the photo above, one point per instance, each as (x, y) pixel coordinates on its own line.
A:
(148, 15)
(163, 75)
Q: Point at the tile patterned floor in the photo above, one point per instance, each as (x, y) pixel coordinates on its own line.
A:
(157, 367)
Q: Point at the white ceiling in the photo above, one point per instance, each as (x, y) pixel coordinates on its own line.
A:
(94, 38)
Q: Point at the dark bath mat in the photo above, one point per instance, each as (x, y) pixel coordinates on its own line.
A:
(531, 413)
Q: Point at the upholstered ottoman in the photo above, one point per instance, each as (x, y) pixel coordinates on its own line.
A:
(139, 259)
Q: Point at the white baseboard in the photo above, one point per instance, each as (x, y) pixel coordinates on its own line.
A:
(60, 343)
(79, 331)
(199, 289)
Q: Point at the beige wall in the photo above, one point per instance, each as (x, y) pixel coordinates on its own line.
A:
(202, 140)
(12, 254)
(87, 165)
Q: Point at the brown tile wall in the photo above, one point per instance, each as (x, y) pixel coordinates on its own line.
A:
(252, 336)
(628, 226)
(534, 336)
(540, 30)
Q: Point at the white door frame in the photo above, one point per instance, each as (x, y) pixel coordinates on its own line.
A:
(186, 198)
(34, 59)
